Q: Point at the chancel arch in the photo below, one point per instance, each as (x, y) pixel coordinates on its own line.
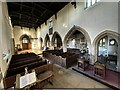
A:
(107, 44)
(26, 42)
(78, 38)
(56, 41)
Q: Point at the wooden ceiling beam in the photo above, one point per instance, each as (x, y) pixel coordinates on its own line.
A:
(37, 12)
(52, 12)
(29, 16)
(33, 7)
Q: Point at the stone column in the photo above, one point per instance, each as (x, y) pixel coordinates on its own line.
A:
(64, 47)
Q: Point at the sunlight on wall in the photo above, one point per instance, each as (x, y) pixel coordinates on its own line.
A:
(25, 31)
(34, 44)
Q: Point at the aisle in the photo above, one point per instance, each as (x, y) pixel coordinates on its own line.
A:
(68, 78)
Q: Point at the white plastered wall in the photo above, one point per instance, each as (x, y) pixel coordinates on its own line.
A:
(5, 39)
(98, 18)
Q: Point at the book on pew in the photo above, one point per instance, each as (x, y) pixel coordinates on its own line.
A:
(27, 79)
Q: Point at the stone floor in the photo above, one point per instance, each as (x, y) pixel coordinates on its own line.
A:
(67, 78)
(36, 51)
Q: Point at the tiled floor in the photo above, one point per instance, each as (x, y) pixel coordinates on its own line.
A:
(67, 78)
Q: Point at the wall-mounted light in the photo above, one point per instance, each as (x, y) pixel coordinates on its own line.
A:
(64, 25)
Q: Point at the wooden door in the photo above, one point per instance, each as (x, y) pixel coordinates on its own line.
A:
(25, 46)
(29, 46)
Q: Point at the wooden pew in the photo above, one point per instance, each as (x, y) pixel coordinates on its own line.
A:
(22, 59)
(24, 62)
(66, 59)
(44, 73)
(20, 69)
(19, 56)
(10, 81)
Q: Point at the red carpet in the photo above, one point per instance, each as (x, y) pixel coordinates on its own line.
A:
(112, 78)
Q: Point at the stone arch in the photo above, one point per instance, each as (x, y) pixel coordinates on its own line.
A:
(47, 40)
(56, 34)
(25, 45)
(77, 28)
(25, 36)
(112, 34)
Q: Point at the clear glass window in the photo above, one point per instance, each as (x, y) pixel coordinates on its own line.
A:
(89, 3)
(93, 2)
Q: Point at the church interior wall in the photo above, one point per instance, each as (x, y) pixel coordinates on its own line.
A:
(19, 31)
(96, 19)
(6, 46)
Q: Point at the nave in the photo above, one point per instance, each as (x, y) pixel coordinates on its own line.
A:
(70, 44)
(63, 78)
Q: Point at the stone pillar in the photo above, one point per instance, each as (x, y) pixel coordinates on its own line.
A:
(64, 48)
(92, 54)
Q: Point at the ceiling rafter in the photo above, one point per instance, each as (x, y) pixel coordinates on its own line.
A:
(45, 8)
(25, 14)
(33, 14)
(29, 6)
(20, 11)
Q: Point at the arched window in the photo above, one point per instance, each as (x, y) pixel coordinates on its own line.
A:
(89, 3)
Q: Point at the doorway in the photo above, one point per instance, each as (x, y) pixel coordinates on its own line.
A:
(26, 42)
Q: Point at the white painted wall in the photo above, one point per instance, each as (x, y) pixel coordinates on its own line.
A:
(100, 17)
(96, 19)
(38, 36)
(0, 41)
(6, 35)
(5, 39)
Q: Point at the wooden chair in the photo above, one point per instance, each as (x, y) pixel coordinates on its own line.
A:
(100, 67)
(100, 70)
